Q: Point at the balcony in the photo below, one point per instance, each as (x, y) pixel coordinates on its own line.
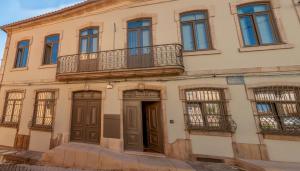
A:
(147, 61)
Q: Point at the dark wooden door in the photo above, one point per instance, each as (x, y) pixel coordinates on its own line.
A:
(86, 121)
(133, 135)
(140, 50)
(154, 127)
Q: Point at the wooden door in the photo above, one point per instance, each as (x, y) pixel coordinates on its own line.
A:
(86, 121)
(133, 135)
(154, 127)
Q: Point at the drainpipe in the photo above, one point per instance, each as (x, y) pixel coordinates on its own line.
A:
(5, 55)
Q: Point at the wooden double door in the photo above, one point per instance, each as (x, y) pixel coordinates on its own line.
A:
(85, 125)
(143, 126)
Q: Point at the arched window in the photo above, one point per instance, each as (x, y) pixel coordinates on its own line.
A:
(257, 24)
(22, 54)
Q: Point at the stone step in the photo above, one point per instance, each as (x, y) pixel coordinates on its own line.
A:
(83, 156)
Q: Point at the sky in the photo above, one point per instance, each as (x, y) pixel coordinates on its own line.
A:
(16, 10)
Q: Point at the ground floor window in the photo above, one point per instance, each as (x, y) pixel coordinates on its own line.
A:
(205, 109)
(44, 110)
(278, 109)
(12, 110)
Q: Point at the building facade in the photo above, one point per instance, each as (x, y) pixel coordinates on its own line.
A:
(185, 78)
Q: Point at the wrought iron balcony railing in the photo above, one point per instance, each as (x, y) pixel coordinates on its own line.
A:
(219, 123)
(159, 56)
(279, 124)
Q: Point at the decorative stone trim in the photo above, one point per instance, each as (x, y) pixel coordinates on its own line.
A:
(275, 4)
(211, 21)
(264, 48)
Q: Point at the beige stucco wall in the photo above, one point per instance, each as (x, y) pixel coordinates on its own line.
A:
(165, 30)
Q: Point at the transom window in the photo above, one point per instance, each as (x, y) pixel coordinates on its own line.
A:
(51, 49)
(278, 109)
(22, 54)
(13, 106)
(257, 25)
(44, 110)
(206, 109)
(89, 39)
(195, 31)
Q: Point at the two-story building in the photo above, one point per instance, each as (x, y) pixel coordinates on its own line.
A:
(184, 78)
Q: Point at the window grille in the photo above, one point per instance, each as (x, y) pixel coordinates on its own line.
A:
(44, 110)
(278, 110)
(205, 109)
(13, 106)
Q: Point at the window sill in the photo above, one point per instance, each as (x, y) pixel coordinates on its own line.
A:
(281, 137)
(211, 133)
(48, 66)
(206, 52)
(19, 69)
(265, 48)
(44, 129)
(9, 125)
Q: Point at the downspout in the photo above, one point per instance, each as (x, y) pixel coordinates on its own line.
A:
(5, 55)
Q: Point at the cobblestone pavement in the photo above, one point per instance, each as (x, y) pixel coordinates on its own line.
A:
(207, 166)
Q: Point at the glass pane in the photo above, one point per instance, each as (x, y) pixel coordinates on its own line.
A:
(40, 112)
(84, 45)
(54, 53)
(187, 35)
(19, 58)
(45, 95)
(195, 114)
(253, 8)
(193, 16)
(133, 42)
(137, 24)
(94, 44)
(24, 43)
(201, 36)
(264, 108)
(84, 33)
(203, 95)
(265, 29)
(212, 108)
(48, 49)
(94, 31)
(248, 31)
(145, 41)
(24, 58)
(51, 39)
(15, 95)
(288, 108)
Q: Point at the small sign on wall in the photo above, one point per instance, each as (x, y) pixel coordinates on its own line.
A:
(235, 80)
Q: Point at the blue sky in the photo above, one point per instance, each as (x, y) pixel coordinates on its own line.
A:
(15, 10)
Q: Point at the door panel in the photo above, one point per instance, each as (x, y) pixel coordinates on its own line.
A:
(86, 121)
(133, 138)
(154, 128)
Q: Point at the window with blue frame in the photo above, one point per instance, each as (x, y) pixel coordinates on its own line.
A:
(257, 25)
(195, 31)
(89, 40)
(51, 49)
(22, 54)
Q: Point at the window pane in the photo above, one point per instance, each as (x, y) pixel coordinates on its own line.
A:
(133, 42)
(47, 54)
(84, 45)
(94, 44)
(264, 108)
(201, 36)
(253, 8)
(24, 58)
(137, 24)
(265, 29)
(193, 16)
(187, 35)
(145, 40)
(54, 53)
(248, 31)
(195, 114)
(84, 33)
(19, 58)
(24, 43)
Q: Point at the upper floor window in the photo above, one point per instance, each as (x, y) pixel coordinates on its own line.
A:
(89, 39)
(278, 109)
(44, 110)
(195, 31)
(22, 54)
(12, 110)
(257, 25)
(51, 49)
(206, 110)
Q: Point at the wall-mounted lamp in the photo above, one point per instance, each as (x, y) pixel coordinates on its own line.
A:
(109, 86)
